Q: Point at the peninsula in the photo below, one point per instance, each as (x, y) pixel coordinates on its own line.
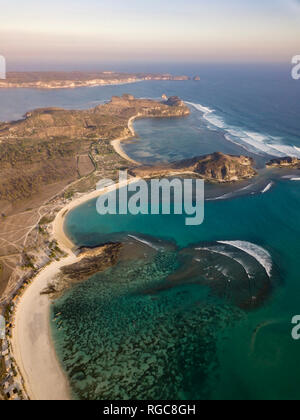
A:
(217, 167)
(67, 80)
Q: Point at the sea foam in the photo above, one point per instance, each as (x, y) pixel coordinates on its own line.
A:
(257, 252)
(143, 241)
(254, 142)
(267, 188)
(229, 255)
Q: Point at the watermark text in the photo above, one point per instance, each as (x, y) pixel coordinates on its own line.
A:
(296, 67)
(158, 196)
(2, 67)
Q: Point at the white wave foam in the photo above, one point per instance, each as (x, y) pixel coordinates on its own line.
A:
(229, 255)
(257, 252)
(268, 187)
(231, 194)
(221, 197)
(291, 177)
(143, 241)
(254, 142)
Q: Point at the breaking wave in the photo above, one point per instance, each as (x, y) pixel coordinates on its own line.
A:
(229, 255)
(143, 241)
(257, 252)
(261, 144)
(268, 187)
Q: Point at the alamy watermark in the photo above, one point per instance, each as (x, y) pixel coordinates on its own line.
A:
(2, 67)
(296, 329)
(2, 327)
(157, 196)
(296, 67)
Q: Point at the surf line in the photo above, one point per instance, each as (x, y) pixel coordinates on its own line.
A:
(253, 142)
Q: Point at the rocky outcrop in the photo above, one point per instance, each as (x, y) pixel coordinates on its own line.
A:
(216, 167)
(90, 261)
(174, 101)
(284, 162)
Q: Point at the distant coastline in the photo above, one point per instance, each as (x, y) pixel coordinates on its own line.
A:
(71, 80)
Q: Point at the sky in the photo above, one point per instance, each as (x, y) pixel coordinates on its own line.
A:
(75, 32)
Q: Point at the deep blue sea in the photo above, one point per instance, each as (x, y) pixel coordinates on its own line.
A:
(191, 312)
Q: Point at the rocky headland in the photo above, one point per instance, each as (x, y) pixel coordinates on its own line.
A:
(107, 121)
(216, 167)
(44, 147)
(284, 162)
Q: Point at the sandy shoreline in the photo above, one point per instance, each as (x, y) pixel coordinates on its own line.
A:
(117, 143)
(31, 342)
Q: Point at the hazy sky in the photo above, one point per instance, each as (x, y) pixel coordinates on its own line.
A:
(159, 30)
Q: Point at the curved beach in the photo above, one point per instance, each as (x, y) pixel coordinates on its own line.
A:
(117, 143)
(31, 341)
(32, 344)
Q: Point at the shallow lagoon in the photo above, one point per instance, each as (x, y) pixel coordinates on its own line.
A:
(249, 353)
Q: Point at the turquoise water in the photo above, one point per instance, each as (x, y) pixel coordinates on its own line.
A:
(183, 316)
(251, 354)
(223, 309)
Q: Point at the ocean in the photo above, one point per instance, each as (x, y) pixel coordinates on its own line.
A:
(191, 312)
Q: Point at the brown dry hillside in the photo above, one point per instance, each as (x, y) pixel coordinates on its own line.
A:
(42, 148)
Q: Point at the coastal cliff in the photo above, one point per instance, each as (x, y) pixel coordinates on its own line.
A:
(216, 167)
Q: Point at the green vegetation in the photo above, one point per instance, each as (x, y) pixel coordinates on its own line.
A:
(69, 195)
(46, 220)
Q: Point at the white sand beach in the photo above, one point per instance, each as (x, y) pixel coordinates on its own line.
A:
(32, 344)
(117, 143)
